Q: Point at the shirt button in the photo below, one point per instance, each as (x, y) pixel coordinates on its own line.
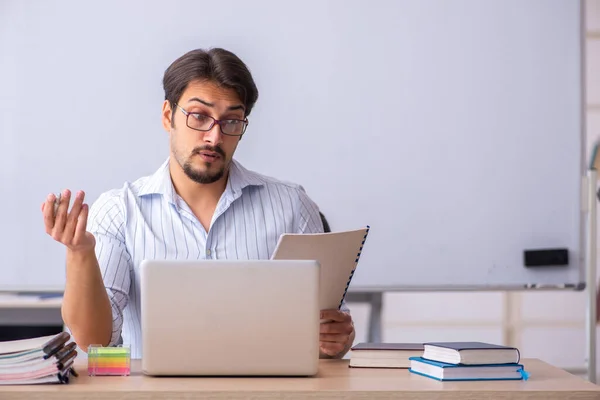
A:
(208, 252)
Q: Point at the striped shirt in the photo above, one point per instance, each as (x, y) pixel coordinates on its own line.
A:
(147, 219)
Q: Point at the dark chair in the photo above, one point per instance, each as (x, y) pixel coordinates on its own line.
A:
(326, 227)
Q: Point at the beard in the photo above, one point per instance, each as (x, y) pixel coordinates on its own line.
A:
(207, 176)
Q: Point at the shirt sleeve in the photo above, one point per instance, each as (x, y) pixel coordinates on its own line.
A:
(308, 217)
(106, 222)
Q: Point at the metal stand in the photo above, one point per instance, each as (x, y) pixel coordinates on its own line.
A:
(376, 301)
(590, 260)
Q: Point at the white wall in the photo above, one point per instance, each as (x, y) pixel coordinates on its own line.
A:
(394, 166)
(545, 325)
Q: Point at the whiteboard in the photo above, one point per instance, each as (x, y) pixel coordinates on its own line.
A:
(452, 128)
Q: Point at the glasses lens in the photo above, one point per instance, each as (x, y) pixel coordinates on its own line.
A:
(200, 122)
(233, 127)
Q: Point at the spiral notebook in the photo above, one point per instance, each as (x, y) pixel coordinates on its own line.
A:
(337, 253)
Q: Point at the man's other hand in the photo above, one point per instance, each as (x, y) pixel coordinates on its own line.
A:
(337, 333)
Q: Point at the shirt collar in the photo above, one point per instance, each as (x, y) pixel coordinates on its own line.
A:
(240, 177)
(160, 182)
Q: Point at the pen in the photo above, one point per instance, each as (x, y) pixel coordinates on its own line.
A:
(63, 362)
(63, 373)
(65, 351)
(54, 344)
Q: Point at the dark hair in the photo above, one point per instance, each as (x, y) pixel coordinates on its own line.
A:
(217, 65)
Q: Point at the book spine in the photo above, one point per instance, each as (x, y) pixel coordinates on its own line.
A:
(355, 265)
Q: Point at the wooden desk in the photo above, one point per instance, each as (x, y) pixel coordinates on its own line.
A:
(335, 380)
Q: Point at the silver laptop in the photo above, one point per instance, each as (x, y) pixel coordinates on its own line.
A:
(226, 317)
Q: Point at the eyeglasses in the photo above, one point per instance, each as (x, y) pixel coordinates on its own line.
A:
(204, 123)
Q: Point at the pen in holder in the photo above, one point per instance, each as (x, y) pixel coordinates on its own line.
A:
(109, 360)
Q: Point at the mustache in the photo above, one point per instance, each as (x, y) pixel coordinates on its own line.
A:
(215, 149)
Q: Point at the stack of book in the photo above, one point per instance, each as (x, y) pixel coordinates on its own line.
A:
(464, 361)
(46, 359)
(384, 355)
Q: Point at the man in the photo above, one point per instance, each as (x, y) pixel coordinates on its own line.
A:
(200, 204)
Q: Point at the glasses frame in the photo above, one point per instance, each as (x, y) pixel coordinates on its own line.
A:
(214, 121)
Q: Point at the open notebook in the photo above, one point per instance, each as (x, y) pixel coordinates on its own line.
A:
(337, 253)
(46, 359)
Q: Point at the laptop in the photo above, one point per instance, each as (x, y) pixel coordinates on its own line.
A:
(230, 317)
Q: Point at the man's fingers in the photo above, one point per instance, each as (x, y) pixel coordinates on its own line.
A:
(336, 328)
(335, 315)
(68, 228)
(331, 349)
(61, 215)
(72, 218)
(81, 224)
(48, 213)
(331, 328)
(333, 337)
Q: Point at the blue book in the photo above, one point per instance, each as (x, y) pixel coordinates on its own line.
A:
(453, 372)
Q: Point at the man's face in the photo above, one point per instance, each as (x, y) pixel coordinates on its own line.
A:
(203, 156)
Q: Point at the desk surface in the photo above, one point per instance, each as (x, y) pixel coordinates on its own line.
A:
(335, 380)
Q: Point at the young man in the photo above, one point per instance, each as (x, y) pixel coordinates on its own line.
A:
(200, 204)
